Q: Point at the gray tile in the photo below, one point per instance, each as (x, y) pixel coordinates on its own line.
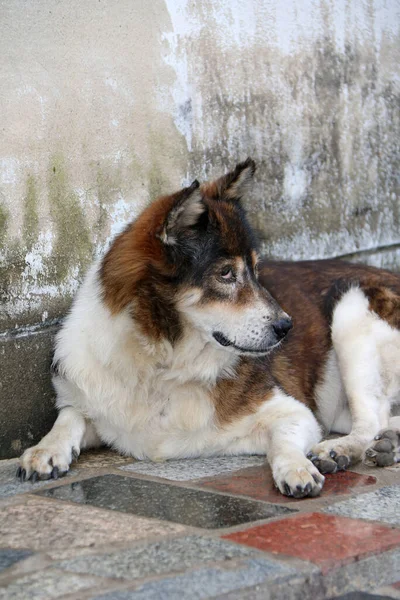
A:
(195, 468)
(362, 596)
(382, 505)
(206, 583)
(46, 585)
(166, 502)
(63, 530)
(9, 557)
(158, 558)
(368, 574)
(10, 485)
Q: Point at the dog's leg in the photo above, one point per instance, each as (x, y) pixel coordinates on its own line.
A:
(291, 430)
(52, 456)
(358, 336)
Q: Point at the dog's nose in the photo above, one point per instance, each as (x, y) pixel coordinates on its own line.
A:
(282, 327)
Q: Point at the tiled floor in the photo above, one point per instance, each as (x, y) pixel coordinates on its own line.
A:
(115, 529)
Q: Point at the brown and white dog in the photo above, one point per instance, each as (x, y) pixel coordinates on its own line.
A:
(174, 347)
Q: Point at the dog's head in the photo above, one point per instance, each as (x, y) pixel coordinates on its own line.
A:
(191, 258)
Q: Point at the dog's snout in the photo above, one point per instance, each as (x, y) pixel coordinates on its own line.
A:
(282, 327)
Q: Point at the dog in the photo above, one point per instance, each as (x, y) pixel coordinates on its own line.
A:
(180, 344)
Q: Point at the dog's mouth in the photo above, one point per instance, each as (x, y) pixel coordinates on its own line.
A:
(223, 341)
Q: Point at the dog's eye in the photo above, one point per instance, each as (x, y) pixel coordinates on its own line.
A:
(227, 274)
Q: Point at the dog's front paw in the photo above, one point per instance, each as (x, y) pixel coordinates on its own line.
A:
(45, 462)
(384, 450)
(335, 455)
(298, 478)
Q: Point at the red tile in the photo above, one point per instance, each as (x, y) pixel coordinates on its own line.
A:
(396, 585)
(256, 482)
(325, 540)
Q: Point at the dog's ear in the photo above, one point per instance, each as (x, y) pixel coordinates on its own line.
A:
(233, 185)
(185, 213)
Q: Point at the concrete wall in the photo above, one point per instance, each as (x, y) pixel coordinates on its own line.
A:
(104, 104)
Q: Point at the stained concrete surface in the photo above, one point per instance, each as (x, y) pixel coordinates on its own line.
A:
(27, 409)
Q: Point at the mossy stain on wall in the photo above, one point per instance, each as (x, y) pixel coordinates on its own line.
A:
(3, 223)
(31, 216)
(73, 247)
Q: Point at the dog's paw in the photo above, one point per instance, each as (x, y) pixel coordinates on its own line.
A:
(384, 450)
(335, 455)
(298, 479)
(45, 462)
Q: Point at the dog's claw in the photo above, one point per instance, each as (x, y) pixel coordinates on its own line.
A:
(34, 477)
(18, 473)
(287, 489)
(54, 473)
(75, 454)
(308, 488)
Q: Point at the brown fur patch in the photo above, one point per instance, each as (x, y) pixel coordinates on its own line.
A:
(126, 273)
(385, 303)
(242, 395)
(132, 253)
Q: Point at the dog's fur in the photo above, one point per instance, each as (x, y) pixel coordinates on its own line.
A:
(171, 349)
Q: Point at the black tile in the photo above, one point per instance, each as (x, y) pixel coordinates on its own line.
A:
(166, 502)
(9, 557)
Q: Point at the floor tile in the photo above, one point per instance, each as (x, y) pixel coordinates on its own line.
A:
(165, 556)
(93, 459)
(10, 485)
(59, 528)
(373, 572)
(165, 502)
(46, 585)
(257, 483)
(382, 505)
(187, 469)
(325, 540)
(205, 583)
(101, 458)
(9, 557)
(362, 596)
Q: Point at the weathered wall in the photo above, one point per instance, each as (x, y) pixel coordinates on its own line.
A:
(105, 104)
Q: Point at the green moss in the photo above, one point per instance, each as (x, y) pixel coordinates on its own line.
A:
(73, 246)
(31, 217)
(11, 269)
(3, 223)
(108, 185)
(157, 182)
(103, 195)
